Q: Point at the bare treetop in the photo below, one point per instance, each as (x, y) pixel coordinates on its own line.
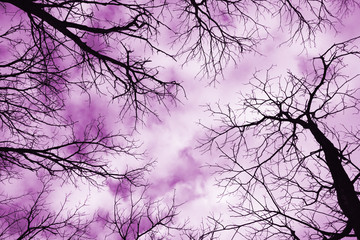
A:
(52, 53)
(59, 39)
(289, 167)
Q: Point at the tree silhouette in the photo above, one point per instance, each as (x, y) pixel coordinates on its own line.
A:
(51, 51)
(292, 169)
(54, 48)
(219, 32)
(61, 36)
(136, 216)
(28, 217)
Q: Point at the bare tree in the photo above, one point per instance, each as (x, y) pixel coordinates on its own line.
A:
(54, 48)
(293, 171)
(28, 216)
(136, 216)
(209, 230)
(219, 32)
(59, 36)
(77, 156)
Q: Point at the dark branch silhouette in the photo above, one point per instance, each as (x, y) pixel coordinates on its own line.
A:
(294, 172)
(136, 216)
(76, 156)
(28, 217)
(76, 34)
(219, 32)
(55, 50)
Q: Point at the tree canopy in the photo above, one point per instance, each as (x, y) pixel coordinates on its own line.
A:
(291, 169)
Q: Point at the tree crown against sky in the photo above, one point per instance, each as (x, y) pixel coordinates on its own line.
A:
(52, 49)
(295, 171)
(55, 52)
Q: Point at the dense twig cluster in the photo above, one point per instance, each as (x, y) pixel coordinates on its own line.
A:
(136, 216)
(27, 217)
(294, 173)
(51, 50)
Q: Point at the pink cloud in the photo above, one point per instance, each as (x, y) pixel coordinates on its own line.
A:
(184, 176)
(170, 138)
(123, 188)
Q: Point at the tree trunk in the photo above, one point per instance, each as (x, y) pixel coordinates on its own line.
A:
(346, 195)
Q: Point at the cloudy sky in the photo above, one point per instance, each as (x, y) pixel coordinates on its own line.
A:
(180, 168)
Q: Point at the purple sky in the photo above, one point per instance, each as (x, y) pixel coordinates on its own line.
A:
(180, 168)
